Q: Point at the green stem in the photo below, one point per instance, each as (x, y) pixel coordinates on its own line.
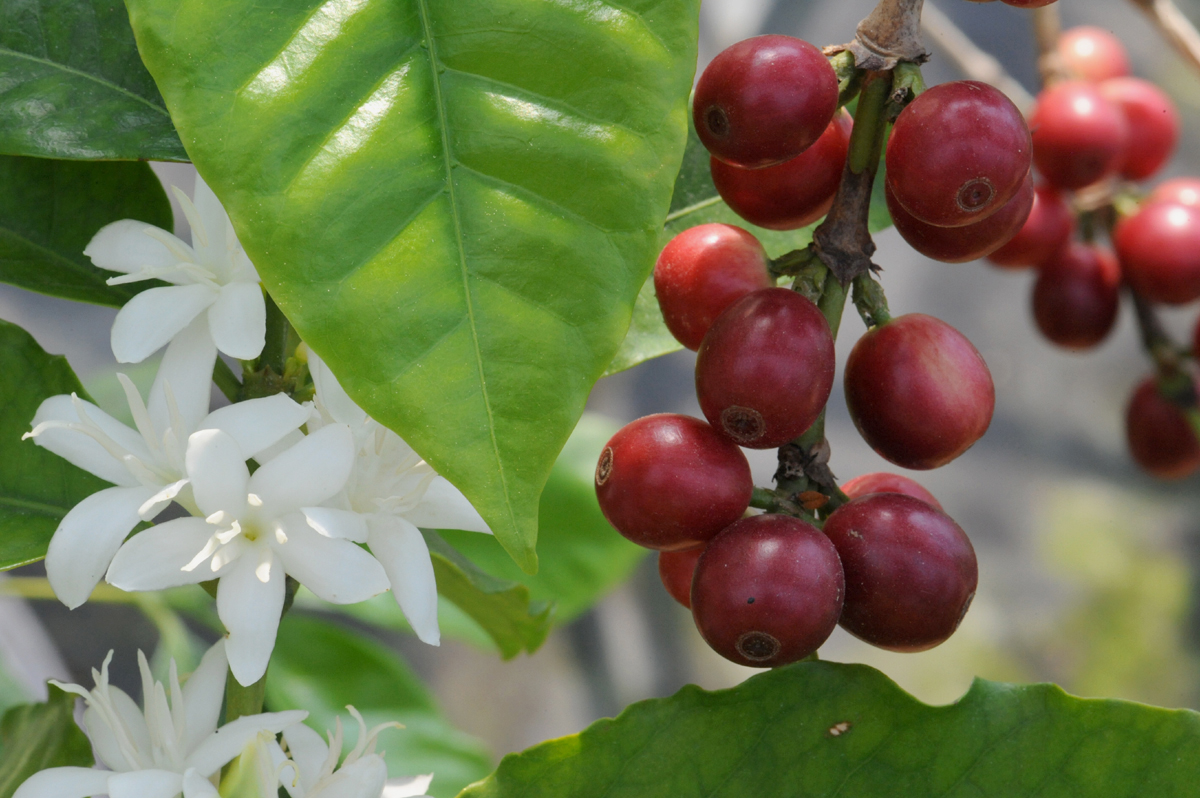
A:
(849, 76)
(241, 701)
(771, 502)
(227, 381)
(833, 305)
(275, 352)
(870, 126)
(907, 83)
(871, 301)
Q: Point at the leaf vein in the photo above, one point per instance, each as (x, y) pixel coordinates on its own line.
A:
(93, 78)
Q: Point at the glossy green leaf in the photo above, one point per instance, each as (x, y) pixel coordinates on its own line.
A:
(455, 201)
(37, 488)
(49, 211)
(321, 667)
(73, 86)
(34, 737)
(847, 731)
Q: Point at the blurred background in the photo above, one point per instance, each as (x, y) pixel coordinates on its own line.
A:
(1088, 569)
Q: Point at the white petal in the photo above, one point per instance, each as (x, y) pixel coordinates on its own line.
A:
(409, 787)
(145, 784)
(331, 395)
(401, 549)
(202, 695)
(444, 507)
(87, 539)
(81, 449)
(250, 610)
(336, 570)
(67, 782)
(155, 559)
(124, 247)
(105, 739)
(308, 750)
(196, 786)
(307, 474)
(154, 317)
(286, 442)
(362, 779)
(239, 320)
(228, 741)
(258, 423)
(333, 523)
(217, 467)
(187, 366)
(213, 220)
(159, 501)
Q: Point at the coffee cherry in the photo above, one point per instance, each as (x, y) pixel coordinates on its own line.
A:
(1079, 137)
(675, 569)
(1093, 54)
(1047, 229)
(1159, 251)
(767, 591)
(792, 194)
(701, 272)
(765, 369)
(671, 482)
(764, 101)
(1076, 296)
(1153, 124)
(910, 571)
(966, 243)
(1181, 190)
(883, 482)
(958, 153)
(1029, 3)
(918, 392)
(1160, 438)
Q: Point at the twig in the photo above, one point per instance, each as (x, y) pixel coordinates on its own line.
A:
(1047, 28)
(970, 59)
(1174, 26)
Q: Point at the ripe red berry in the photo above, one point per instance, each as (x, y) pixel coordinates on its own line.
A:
(883, 482)
(969, 242)
(1047, 229)
(672, 482)
(1181, 190)
(1160, 438)
(1153, 124)
(1159, 251)
(675, 569)
(910, 571)
(1093, 54)
(1076, 296)
(764, 101)
(704, 270)
(792, 194)
(1029, 3)
(958, 153)
(765, 369)
(767, 591)
(1079, 137)
(918, 392)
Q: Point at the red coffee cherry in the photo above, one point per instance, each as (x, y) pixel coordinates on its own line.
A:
(792, 194)
(1076, 296)
(704, 270)
(767, 591)
(883, 482)
(764, 101)
(1029, 3)
(1094, 54)
(958, 153)
(1181, 190)
(1160, 438)
(1079, 137)
(1047, 229)
(918, 392)
(675, 569)
(966, 243)
(910, 571)
(765, 369)
(1159, 251)
(1153, 124)
(671, 482)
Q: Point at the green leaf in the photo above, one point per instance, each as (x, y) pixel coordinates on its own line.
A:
(34, 737)
(321, 667)
(49, 211)
(458, 205)
(824, 729)
(73, 86)
(37, 488)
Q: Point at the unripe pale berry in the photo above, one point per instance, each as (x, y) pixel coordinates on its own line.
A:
(1047, 229)
(883, 482)
(1079, 137)
(1160, 438)
(1076, 296)
(1159, 251)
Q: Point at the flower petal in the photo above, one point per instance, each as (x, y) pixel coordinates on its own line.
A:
(125, 247)
(196, 786)
(336, 570)
(81, 449)
(217, 467)
(202, 695)
(309, 751)
(444, 507)
(155, 559)
(159, 501)
(407, 787)
(364, 778)
(250, 609)
(87, 539)
(67, 782)
(187, 366)
(258, 423)
(154, 317)
(104, 739)
(211, 222)
(401, 549)
(145, 784)
(239, 320)
(332, 396)
(231, 739)
(332, 523)
(306, 474)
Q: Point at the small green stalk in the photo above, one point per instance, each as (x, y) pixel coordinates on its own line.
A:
(241, 701)
(870, 301)
(771, 502)
(849, 76)
(227, 381)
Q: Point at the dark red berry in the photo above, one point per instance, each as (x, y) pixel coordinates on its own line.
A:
(764, 100)
(1181, 190)
(1079, 137)
(1159, 251)
(672, 482)
(765, 369)
(1047, 229)
(1029, 3)
(883, 482)
(767, 591)
(1094, 54)
(704, 270)
(1153, 124)
(918, 392)
(1076, 296)
(792, 194)
(910, 571)
(675, 569)
(958, 153)
(1160, 438)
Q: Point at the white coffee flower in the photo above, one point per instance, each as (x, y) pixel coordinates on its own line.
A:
(212, 276)
(172, 746)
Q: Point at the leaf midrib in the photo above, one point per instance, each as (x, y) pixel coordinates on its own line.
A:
(93, 78)
(13, 502)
